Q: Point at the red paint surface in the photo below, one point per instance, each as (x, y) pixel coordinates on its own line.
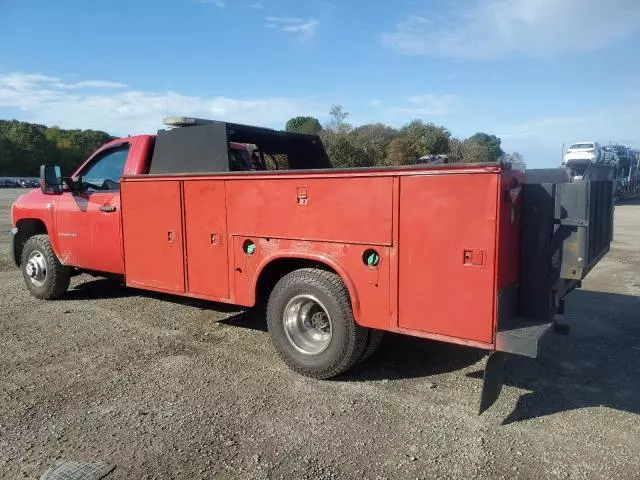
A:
(205, 230)
(152, 227)
(87, 237)
(352, 210)
(368, 287)
(441, 217)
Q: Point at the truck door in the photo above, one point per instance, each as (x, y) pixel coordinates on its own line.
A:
(88, 223)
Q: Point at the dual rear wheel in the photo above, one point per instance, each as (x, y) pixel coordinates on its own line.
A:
(311, 324)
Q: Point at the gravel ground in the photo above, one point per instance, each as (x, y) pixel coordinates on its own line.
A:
(168, 388)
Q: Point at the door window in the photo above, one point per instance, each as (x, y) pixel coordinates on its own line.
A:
(104, 171)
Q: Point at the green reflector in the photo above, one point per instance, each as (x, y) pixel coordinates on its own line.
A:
(251, 249)
(373, 259)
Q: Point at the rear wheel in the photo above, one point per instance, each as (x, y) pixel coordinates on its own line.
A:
(45, 277)
(374, 339)
(311, 323)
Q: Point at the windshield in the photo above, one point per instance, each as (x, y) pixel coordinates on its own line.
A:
(581, 146)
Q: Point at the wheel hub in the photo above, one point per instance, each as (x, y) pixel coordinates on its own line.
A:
(36, 268)
(307, 324)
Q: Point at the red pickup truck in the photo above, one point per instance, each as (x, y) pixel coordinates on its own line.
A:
(474, 254)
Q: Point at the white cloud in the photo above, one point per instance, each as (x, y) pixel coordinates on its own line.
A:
(301, 27)
(46, 100)
(432, 104)
(487, 29)
(424, 105)
(257, 6)
(91, 84)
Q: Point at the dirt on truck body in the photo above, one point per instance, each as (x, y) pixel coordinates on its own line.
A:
(445, 252)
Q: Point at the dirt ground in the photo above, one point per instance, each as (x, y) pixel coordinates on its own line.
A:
(167, 388)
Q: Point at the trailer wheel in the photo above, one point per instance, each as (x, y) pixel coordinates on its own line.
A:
(45, 277)
(311, 323)
(374, 339)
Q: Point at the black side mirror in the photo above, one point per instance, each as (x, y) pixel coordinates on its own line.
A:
(50, 179)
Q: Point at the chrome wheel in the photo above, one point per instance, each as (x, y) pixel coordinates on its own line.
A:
(36, 268)
(307, 324)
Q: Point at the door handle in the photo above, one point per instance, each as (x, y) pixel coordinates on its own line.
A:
(107, 208)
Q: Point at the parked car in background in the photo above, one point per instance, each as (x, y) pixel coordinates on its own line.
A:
(29, 183)
(591, 151)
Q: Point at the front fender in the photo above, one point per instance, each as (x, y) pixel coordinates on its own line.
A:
(33, 213)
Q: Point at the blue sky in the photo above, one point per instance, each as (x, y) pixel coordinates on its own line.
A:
(535, 72)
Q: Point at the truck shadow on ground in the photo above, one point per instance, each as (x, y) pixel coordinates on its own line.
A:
(596, 365)
(103, 288)
(399, 356)
(402, 357)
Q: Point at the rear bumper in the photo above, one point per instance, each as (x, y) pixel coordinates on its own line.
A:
(14, 250)
(522, 340)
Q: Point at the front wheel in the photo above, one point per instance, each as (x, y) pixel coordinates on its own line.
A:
(311, 323)
(45, 277)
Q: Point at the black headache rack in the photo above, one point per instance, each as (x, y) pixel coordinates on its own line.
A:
(567, 227)
(203, 146)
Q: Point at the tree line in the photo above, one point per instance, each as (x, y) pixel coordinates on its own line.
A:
(25, 146)
(377, 144)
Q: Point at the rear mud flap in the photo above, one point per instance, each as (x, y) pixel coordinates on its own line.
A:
(523, 340)
(493, 380)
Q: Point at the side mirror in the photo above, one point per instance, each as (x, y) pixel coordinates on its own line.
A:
(50, 179)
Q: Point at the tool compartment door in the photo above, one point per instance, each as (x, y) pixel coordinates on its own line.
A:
(206, 238)
(447, 255)
(152, 235)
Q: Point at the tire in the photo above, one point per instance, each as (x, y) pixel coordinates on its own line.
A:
(374, 339)
(333, 349)
(50, 279)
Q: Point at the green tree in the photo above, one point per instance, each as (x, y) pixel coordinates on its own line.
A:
(25, 146)
(455, 150)
(338, 120)
(30, 147)
(344, 153)
(374, 139)
(426, 138)
(474, 151)
(491, 142)
(308, 125)
(401, 152)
